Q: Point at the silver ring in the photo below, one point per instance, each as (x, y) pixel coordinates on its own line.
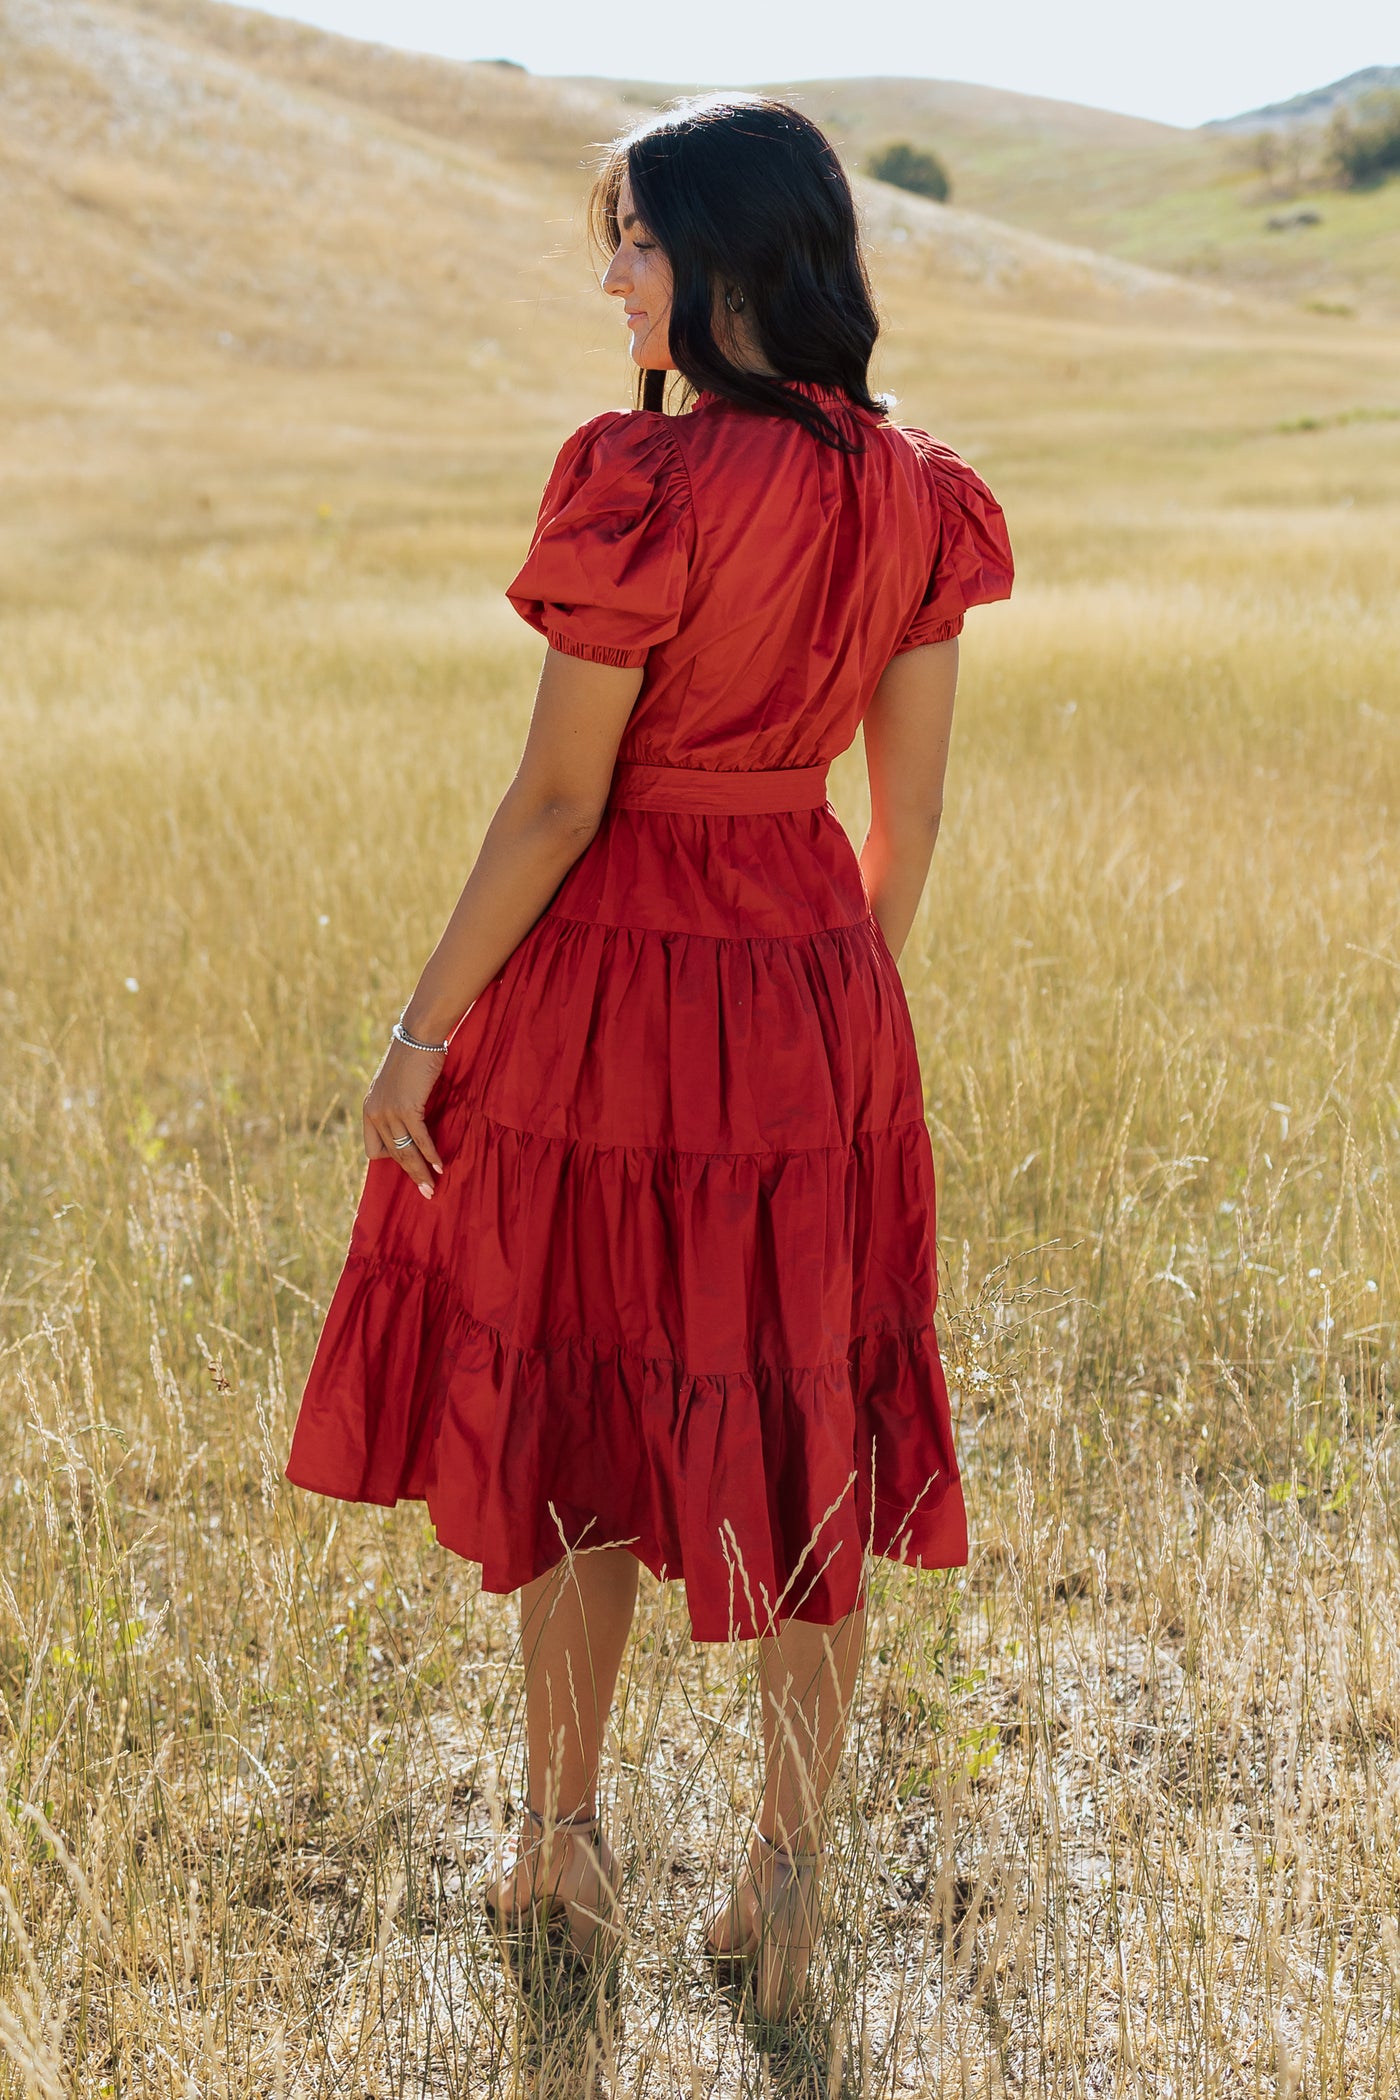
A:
(401, 1144)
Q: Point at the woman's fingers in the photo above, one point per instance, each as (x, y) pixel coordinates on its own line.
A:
(403, 1147)
(422, 1140)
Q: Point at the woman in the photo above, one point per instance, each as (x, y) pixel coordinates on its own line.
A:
(670, 1297)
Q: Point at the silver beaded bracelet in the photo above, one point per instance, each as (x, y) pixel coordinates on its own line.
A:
(411, 1042)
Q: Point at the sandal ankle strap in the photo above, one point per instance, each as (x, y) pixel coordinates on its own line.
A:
(787, 1852)
(577, 1821)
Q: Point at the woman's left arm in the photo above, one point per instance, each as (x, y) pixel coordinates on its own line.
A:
(546, 818)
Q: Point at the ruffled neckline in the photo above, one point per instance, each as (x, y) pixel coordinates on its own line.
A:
(826, 397)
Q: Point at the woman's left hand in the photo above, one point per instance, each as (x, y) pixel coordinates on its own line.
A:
(393, 1113)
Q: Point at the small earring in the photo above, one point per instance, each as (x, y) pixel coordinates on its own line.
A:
(735, 300)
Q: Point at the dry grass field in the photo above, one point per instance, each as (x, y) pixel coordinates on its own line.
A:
(1123, 1811)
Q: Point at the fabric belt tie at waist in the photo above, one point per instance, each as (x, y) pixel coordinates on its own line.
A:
(701, 791)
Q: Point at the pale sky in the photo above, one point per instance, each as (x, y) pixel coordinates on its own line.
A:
(1180, 61)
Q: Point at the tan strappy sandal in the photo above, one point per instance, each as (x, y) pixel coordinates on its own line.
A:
(778, 1944)
(592, 1914)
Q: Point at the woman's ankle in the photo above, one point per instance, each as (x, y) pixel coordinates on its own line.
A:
(803, 1841)
(550, 1819)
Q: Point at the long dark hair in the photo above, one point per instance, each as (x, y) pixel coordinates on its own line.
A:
(747, 199)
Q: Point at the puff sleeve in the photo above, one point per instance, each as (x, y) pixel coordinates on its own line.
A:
(972, 561)
(606, 572)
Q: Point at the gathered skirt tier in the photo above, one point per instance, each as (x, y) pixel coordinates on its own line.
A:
(676, 1289)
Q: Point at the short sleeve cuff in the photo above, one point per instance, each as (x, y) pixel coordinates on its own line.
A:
(936, 631)
(593, 652)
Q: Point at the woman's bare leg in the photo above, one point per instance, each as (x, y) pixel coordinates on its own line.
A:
(808, 1676)
(574, 1624)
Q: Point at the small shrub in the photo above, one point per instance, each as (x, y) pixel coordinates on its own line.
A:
(912, 168)
(1364, 145)
(1280, 157)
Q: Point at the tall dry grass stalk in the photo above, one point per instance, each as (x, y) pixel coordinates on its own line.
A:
(1120, 1814)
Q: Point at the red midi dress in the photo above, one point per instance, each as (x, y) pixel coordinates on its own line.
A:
(676, 1288)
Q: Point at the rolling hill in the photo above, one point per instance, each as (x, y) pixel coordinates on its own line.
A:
(1315, 106)
(252, 275)
(1191, 203)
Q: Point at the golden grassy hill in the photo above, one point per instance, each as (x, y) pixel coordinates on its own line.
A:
(219, 179)
(1189, 201)
(250, 273)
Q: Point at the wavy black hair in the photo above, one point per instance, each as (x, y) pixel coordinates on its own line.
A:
(747, 199)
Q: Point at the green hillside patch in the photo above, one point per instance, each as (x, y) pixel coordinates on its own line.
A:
(1300, 424)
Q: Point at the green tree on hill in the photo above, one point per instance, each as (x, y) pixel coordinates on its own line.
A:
(1365, 147)
(912, 168)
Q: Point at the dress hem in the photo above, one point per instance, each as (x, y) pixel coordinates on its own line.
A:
(945, 1548)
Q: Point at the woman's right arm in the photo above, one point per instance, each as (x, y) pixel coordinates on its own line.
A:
(908, 728)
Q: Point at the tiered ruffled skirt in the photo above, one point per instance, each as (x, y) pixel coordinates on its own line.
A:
(676, 1289)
